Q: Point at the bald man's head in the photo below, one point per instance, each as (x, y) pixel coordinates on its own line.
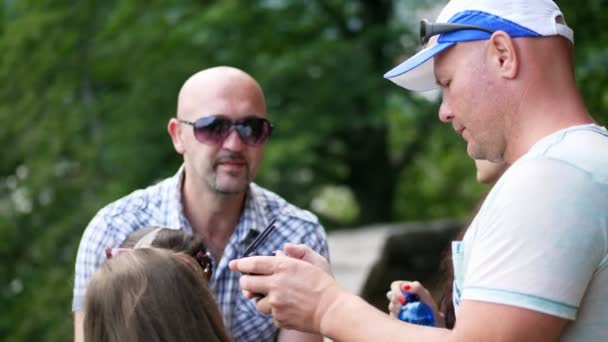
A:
(224, 165)
(217, 90)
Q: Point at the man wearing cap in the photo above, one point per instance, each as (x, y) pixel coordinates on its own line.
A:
(533, 265)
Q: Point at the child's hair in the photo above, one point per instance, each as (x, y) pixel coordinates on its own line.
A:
(173, 239)
(152, 295)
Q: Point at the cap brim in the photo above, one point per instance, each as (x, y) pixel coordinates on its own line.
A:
(417, 72)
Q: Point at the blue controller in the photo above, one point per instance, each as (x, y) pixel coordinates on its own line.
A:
(416, 311)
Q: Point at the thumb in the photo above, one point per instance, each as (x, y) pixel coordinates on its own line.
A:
(299, 251)
(305, 253)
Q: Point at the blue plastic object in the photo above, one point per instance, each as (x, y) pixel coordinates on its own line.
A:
(415, 311)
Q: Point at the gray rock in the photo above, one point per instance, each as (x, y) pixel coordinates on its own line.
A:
(367, 260)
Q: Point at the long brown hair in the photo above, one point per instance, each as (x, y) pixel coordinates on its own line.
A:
(151, 295)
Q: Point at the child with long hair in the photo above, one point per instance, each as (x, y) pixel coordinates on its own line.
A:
(152, 295)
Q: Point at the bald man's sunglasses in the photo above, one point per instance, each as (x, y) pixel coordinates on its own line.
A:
(428, 30)
(214, 129)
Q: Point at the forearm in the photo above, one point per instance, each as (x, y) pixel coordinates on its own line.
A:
(351, 319)
(78, 326)
(286, 335)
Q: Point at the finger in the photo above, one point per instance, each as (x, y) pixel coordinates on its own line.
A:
(416, 288)
(413, 287)
(398, 299)
(301, 251)
(254, 265)
(263, 305)
(393, 309)
(396, 286)
(248, 294)
(256, 284)
(305, 253)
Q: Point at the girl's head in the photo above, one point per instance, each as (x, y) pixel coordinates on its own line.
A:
(172, 239)
(151, 294)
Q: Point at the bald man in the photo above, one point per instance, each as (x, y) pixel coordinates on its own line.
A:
(220, 130)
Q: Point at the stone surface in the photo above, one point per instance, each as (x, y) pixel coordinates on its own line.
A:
(366, 260)
(353, 252)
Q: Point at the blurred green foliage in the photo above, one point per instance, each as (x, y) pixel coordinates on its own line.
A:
(88, 87)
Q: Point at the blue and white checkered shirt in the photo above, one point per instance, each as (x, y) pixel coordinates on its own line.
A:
(160, 205)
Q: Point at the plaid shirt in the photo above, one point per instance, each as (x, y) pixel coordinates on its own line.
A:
(160, 205)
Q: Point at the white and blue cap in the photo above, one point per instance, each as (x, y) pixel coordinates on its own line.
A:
(518, 18)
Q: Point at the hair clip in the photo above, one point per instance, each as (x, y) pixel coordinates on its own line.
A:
(185, 259)
(206, 261)
(112, 252)
(148, 239)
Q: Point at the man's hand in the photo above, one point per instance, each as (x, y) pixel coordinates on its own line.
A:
(305, 253)
(298, 289)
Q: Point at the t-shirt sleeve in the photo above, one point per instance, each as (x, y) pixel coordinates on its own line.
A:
(538, 240)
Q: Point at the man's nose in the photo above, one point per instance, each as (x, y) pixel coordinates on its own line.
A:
(445, 112)
(233, 141)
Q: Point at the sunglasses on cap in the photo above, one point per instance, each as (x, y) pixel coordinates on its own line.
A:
(214, 129)
(428, 30)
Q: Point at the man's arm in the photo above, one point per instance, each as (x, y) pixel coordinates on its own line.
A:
(78, 326)
(351, 319)
(286, 335)
(324, 307)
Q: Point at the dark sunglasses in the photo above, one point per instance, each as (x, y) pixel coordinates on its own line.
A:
(214, 129)
(428, 30)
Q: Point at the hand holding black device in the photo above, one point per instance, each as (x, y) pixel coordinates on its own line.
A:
(253, 246)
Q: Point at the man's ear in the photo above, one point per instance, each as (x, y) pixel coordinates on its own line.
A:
(174, 129)
(504, 54)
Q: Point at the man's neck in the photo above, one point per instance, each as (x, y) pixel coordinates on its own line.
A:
(213, 216)
(540, 115)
